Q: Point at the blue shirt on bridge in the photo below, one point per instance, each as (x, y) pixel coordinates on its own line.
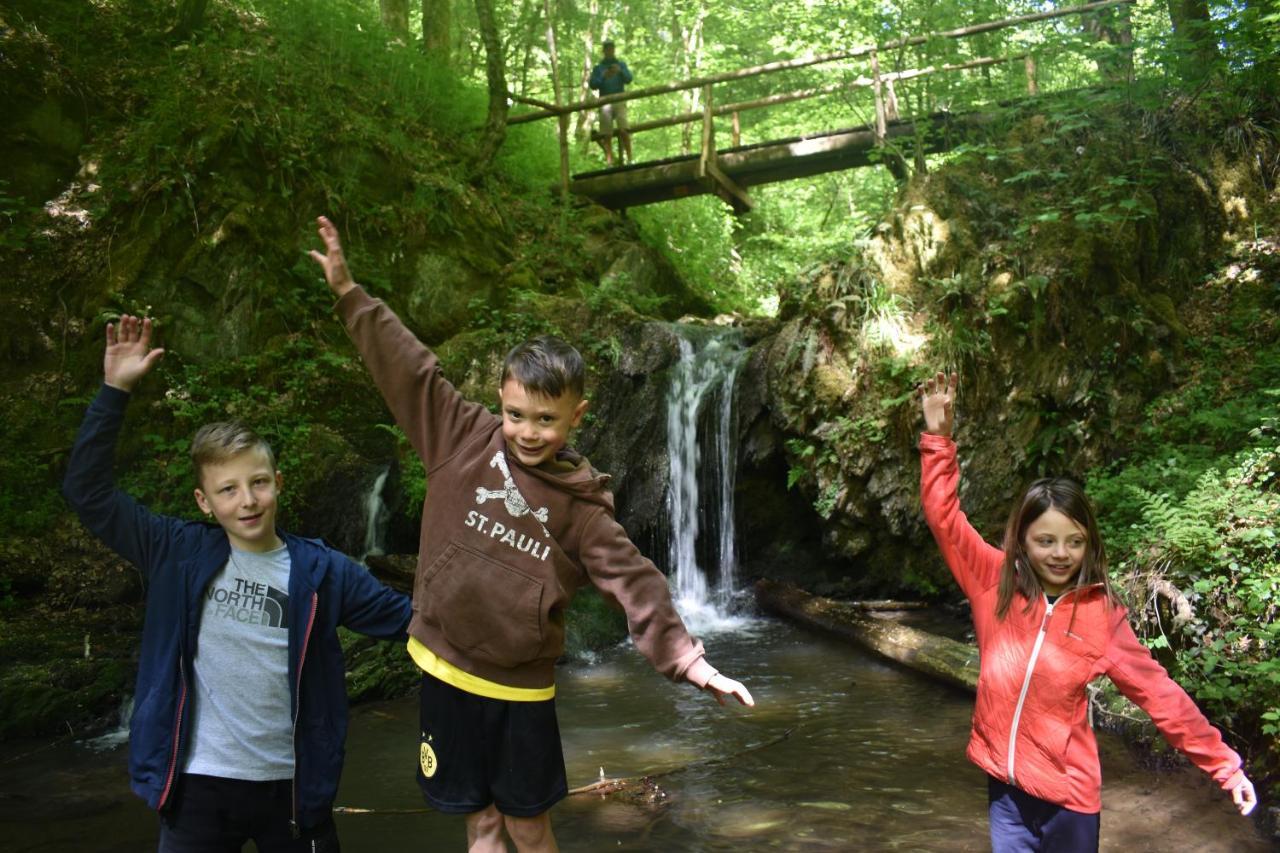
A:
(610, 85)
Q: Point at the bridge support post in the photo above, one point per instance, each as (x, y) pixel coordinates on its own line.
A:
(709, 172)
(890, 157)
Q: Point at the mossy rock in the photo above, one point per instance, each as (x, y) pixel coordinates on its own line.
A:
(327, 482)
(377, 669)
(591, 625)
(48, 698)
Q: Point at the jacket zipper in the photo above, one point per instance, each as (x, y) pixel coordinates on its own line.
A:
(297, 712)
(1026, 684)
(177, 732)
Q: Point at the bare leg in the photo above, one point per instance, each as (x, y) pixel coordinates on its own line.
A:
(532, 834)
(484, 831)
(624, 144)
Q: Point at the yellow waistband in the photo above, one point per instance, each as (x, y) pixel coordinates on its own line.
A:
(432, 664)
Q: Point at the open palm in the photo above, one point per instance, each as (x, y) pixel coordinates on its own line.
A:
(129, 355)
(937, 400)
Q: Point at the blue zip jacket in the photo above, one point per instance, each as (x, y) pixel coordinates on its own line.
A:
(178, 559)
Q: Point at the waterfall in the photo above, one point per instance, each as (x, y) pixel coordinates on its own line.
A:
(375, 517)
(702, 453)
(117, 736)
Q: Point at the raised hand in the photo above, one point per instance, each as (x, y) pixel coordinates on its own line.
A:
(334, 263)
(937, 399)
(1244, 797)
(721, 687)
(129, 355)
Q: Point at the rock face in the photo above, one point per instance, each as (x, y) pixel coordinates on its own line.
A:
(626, 437)
(1061, 331)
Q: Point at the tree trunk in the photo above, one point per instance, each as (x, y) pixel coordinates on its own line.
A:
(190, 18)
(938, 657)
(562, 119)
(529, 15)
(436, 15)
(395, 16)
(1113, 27)
(690, 61)
(582, 125)
(1194, 28)
(495, 126)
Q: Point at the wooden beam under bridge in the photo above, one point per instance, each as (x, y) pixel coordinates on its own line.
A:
(764, 163)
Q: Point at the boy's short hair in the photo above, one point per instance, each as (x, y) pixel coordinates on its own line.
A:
(546, 365)
(219, 441)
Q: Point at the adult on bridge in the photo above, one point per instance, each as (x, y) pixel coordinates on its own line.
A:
(610, 77)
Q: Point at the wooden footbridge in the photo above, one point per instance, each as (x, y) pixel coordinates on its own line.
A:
(734, 169)
(728, 172)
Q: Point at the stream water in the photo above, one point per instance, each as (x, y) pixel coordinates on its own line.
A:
(874, 760)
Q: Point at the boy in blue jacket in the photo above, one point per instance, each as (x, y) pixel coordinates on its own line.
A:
(240, 710)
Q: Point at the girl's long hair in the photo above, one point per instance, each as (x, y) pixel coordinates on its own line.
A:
(1067, 497)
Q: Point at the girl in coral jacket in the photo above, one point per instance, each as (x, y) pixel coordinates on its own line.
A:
(1048, 623)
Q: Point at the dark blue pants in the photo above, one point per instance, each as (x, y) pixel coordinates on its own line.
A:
(1021, 823)
(210, 814)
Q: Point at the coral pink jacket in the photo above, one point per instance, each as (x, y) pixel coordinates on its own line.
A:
(1030, 726)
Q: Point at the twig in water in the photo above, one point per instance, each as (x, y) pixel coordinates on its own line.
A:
(644, 787)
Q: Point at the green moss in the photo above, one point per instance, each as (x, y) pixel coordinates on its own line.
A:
(592, 625)
(377, 669)
(58, 692)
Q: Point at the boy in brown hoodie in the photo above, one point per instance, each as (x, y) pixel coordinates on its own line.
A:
(513, 524)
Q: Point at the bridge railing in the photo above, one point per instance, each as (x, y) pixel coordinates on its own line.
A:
(881, 84)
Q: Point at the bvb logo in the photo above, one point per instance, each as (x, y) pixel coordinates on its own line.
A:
(427, 758)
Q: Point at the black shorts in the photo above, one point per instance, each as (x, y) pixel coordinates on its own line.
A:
(475, 751)
(212, 814)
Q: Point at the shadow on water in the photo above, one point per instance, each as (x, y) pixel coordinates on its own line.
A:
(875, 761)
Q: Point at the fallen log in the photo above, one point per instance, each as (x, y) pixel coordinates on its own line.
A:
(885, 604)
(395, 570)
(938, 657)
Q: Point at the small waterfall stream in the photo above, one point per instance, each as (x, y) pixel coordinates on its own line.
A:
(120, 734)
(376, 515)
(702, 452)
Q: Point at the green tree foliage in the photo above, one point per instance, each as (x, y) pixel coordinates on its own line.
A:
(1140, 48)
(1196, 506)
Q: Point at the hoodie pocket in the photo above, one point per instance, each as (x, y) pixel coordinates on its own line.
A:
(483, 607)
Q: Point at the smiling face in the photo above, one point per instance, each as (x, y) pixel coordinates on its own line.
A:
(242, 493)
(536, 426)
(1055, 546)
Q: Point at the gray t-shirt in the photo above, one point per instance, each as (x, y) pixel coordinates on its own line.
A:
(242, 726)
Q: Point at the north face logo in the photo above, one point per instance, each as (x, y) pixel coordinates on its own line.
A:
(251, 602)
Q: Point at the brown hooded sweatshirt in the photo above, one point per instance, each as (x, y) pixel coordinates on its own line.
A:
(504, 546)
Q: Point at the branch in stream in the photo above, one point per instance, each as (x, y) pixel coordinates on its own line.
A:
(642, 790)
